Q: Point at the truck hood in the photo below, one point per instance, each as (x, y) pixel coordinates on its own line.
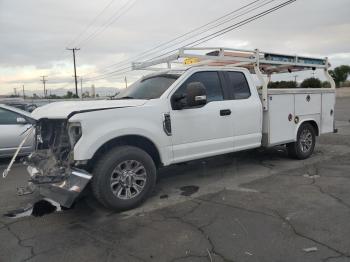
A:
(62, 110)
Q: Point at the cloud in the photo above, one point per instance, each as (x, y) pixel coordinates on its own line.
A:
(34, 34)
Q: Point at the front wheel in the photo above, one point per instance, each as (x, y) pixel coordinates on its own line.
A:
(305, 144)
(123, 178)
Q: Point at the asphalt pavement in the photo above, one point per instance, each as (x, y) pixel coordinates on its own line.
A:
(257, 205)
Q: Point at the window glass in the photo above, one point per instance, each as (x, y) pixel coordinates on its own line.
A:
(149, 87)
(8, 117)
(239, 85)
(211, 82)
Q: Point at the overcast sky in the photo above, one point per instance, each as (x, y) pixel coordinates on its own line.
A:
(35, 33)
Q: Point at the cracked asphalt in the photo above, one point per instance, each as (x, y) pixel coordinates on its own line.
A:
(256, 205)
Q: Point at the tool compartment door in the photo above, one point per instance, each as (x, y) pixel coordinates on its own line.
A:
(327, 116)
(280, 117)
(307, 104)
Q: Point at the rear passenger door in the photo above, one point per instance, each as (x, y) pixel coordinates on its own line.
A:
(246, 110)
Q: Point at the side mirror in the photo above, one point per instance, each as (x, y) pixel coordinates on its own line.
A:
(21, 120)
(196, 94)
(177, 101)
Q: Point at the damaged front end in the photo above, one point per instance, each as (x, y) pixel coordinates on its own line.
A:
(51, 165)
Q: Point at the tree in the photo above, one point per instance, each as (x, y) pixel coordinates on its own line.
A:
(326, 84)
(53, 96)
(311, 83)
(340, 74)
(282, 84)
(70, 95)
(86, 94)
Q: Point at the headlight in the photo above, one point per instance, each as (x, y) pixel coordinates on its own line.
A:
(74, 133)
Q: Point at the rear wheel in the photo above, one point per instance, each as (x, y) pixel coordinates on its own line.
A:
(305, 144)
(123, 178)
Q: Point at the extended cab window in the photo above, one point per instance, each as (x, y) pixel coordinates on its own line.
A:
(8, 117)
(238, 85)
(211, 82)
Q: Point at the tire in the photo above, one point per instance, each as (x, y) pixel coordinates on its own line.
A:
(123, 178)
(305, 144)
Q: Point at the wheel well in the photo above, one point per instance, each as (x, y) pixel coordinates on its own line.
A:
(130, 140)
(314, 125)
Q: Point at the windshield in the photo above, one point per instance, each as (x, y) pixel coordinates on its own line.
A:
(148, 87)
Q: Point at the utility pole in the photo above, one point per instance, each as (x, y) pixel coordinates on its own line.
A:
(44, 81)
(75, 69)
(295, 78)
(15, 91)
(24, 95)
(81, 87)
(126, 82)
(93, 91)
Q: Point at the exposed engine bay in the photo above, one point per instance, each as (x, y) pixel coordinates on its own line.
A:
(52, 157)
(51, 165)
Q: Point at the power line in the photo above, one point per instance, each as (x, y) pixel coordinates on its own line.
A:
(90, 24)
(80, 35)
(246, 12)
(116, 72)
(210, 36)
(189, 32)
(120, 12)
(230, 28)
(246, 21)
(149, 52)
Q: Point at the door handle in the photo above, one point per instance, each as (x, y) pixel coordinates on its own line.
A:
(225, 112)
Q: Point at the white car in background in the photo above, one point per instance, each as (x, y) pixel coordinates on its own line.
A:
(14, 123)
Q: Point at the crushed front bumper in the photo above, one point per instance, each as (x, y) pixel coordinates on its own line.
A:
(66, 191)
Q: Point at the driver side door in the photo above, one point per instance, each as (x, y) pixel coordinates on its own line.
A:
(205, 130)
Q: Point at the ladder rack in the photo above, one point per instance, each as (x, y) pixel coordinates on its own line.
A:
(255, 61)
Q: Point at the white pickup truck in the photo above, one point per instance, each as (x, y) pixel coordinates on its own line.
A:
(209, 107)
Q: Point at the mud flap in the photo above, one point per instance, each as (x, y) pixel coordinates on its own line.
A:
(67, 191)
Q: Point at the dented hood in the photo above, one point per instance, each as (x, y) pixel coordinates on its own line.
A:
(61, 110)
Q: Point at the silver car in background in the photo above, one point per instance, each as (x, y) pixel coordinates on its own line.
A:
(14, 123)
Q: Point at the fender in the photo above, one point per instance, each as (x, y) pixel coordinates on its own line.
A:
(99, 127)
(302, 119)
